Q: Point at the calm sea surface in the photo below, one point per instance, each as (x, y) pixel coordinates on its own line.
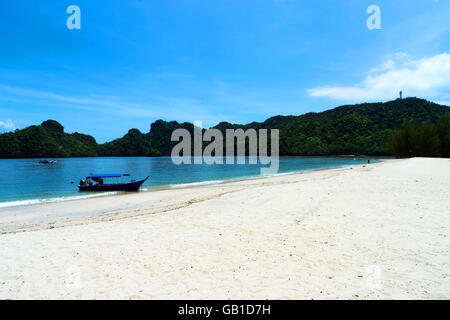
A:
(24, 181)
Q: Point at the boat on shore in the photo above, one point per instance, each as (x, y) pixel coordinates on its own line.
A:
(95, 182)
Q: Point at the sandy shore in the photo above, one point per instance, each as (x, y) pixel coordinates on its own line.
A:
(380, 231)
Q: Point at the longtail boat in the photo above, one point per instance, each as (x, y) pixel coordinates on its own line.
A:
(94, 182)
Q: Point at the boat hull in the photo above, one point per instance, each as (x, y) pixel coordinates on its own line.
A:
(130, 186)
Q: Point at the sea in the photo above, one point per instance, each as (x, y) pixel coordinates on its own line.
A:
(25, 181)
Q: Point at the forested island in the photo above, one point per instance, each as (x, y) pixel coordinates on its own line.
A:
(402, 127)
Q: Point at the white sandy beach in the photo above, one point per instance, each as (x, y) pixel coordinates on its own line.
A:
(381, 231)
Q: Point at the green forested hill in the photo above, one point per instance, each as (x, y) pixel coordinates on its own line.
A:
(352, 129)
(46, 140)
(134, 143)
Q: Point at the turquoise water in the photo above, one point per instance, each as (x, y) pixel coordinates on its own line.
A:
(24, 181)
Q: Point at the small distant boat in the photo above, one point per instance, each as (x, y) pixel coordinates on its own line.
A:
(94, 182)
(47, 161)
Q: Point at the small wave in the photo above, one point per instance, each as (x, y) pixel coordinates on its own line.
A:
(19, 203)
(280, 174)
(194, 184)
(284, 174)
(50, 200)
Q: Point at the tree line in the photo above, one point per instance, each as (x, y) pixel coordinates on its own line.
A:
(423, 139)
(403, 127)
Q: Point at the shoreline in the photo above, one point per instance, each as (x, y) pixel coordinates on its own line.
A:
(375, 232)
(36, 201)
(112, 214)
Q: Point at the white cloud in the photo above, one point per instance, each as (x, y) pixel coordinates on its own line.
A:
(44, 95)
(7, 125)
(169, 108)
(388, 65)
(426, 78)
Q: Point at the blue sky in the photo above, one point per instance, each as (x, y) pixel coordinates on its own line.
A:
(133, 62)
